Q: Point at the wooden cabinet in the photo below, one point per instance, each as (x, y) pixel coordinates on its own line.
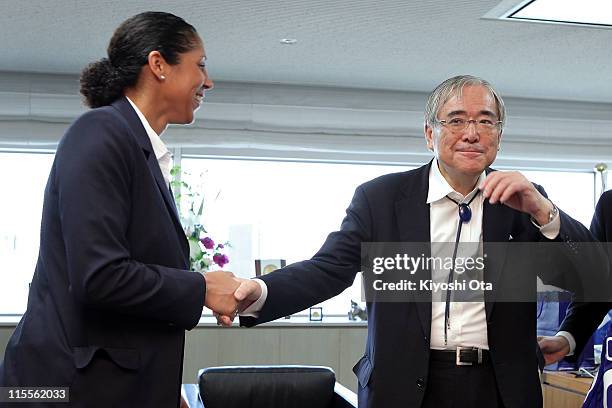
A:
(564, 390)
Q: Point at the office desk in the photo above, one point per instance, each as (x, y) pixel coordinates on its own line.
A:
(564, 390)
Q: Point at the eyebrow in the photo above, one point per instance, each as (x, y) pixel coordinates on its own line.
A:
(481, 113)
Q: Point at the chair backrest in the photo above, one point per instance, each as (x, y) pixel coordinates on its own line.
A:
(267, 386)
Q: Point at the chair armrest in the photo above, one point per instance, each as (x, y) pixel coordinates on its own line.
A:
(191, 393)
(343, 397)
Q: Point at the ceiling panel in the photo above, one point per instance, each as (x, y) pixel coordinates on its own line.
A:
(393, 44)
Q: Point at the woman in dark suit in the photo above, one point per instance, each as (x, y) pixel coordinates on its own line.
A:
(112, 296)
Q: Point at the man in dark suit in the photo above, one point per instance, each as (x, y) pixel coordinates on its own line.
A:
(582, 318)
(436, 354)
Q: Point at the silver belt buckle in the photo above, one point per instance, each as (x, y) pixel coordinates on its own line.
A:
(466, 363)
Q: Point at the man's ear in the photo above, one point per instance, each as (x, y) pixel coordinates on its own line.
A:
(157, 64)
(499, 139)
(429, 137)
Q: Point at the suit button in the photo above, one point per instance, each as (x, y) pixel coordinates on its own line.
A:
(420, 383)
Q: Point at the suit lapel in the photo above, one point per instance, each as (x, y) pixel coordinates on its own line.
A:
(139, 132)
(496, 228)
(412, 215)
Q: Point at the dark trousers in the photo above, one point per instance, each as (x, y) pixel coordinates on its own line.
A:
(452, 386)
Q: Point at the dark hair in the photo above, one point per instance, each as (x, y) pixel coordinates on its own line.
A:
(104, 81)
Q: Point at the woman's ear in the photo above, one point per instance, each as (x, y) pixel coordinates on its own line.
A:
(157, 64)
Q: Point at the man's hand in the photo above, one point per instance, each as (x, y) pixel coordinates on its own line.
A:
(247, 293)
(554, 348)
(184, 403)
(220, 288)
(511, 188)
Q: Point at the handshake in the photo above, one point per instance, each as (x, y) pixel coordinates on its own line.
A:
(228, 295)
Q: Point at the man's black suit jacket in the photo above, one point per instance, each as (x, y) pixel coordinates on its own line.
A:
(394, 370)
(110, 298)
(583, 318)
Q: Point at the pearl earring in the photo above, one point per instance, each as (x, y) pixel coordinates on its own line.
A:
(163, 77)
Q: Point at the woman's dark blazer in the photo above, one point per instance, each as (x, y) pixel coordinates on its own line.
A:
(110, 298)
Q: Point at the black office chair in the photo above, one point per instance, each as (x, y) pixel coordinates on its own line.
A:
(273, 386)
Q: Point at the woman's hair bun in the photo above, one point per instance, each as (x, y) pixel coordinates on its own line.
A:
(101, 83)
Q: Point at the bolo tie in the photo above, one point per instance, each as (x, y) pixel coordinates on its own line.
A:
(465, 215)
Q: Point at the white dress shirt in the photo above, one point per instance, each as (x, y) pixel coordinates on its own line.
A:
(468, 322)
(162, 154)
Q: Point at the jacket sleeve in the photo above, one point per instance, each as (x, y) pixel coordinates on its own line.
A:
(94, 164)
(583, 318)
(577, 261)
(331, 270)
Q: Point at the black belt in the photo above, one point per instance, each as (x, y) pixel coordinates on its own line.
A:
(461, 356)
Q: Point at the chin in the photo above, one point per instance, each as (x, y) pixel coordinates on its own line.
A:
(189, 118)
(473, 169)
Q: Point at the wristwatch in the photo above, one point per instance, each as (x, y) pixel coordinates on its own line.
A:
(552, 214)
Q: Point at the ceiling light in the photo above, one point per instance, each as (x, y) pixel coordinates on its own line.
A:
(585, 12)
(288, 41)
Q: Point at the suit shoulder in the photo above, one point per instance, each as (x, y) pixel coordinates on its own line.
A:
(390, 183)
(603, 209)
(103, 118)
(96, 128)
(605, 199)
(390, 180)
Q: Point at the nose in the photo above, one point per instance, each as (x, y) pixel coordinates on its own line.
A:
(208, 83)
(471, 133)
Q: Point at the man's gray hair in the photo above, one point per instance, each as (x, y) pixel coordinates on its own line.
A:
(454, 87)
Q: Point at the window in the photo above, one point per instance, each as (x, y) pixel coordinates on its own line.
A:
(286, 209)
(572, 192)
(24, 176)
(271, 209)
(266, 209)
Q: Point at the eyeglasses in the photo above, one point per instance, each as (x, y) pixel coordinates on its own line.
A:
(458, 125)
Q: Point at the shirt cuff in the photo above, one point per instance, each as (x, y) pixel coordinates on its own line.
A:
(255, 307)
(550, 230)
(570, 339)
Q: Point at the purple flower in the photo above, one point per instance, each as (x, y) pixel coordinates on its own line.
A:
(220, 246)
(208, 243)
(220, 259)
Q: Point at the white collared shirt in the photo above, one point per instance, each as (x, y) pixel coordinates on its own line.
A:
(162, 154)
(468, 321)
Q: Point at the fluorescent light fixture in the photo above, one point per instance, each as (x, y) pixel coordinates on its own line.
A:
(586, 12)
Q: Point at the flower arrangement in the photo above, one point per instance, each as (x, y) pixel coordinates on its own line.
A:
(204, 253)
